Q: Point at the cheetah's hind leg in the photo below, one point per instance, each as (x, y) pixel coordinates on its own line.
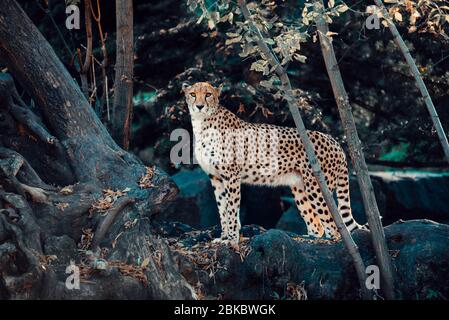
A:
(305, 208)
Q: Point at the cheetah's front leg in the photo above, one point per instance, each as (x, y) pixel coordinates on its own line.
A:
(220, 198)
(232, 190)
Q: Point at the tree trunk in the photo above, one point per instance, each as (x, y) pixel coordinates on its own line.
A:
(419, 81)
(107, 193)
(357, 157)
(124, 65)
(316, 168)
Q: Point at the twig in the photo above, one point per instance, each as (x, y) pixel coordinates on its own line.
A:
(84, 67)
(104, 51)
(56, 26)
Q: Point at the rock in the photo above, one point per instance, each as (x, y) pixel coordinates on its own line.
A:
(414, 195)
(272, 261)
(196, 204)
(262, 205)
(63, 247)
(147, 156)
(291, 221)
(358, 211)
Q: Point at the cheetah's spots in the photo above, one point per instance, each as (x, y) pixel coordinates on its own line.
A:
(265, 155)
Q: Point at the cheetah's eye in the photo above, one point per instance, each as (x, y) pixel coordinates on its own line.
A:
(193, 95)
(208, 95)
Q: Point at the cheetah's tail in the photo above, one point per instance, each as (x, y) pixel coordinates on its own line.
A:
(344, 204)
(366, 225)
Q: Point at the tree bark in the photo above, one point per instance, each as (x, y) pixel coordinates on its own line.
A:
(419, 81)
(316, 168)
(357, 157)
(91, 150)
(35, 215)
(124, 65)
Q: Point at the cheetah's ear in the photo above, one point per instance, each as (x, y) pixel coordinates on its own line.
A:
(185, 86)
(218, 89)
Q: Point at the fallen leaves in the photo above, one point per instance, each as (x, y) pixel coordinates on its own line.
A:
(86, 239)
(129, 224)
(145, 262)
(296, 291)
(145, 180)
(105, 203)
(130, 270)
(315, 240)
(62, 205)
(137, 272)
(205, 255)
(66, 190)
(45, 260)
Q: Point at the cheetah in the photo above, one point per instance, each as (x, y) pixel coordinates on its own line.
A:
(232, 151)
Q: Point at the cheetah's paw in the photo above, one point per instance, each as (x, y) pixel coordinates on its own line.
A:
(221, 240)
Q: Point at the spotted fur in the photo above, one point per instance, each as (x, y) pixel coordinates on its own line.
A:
(233, 152)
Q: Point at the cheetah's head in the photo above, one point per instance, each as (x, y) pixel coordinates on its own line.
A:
(201, 98)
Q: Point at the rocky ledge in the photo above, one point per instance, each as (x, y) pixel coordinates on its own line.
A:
(275, 264)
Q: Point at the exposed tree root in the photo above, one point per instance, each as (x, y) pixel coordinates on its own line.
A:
(106, 223)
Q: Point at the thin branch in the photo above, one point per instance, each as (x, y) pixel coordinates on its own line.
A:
(56, 26)
(85, 66)
(104, 63)
(419, 81)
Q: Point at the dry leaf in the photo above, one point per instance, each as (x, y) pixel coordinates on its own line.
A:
(145, 263)
(62, 205)
(145, 180)
(66, 190)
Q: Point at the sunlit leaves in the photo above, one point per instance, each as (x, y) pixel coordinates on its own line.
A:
(342, 8)
(261, 66)
(283, 37)
(421, 16)
(236, 38)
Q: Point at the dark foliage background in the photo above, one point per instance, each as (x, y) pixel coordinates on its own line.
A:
(392, 120)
